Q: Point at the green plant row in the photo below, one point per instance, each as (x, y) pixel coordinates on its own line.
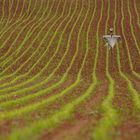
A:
(5, 59)
(134, 93)
(65, 75)
(110, 117)
(38, 75)
(76, 83)
(9, 18)
(16, 25)
(49, 78)
(13, 74)
(133, 34)
(29, 33)
(64, 113)
(55, 85)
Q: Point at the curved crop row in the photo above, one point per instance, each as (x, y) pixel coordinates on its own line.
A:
(26, 16)
(132, 31)
(62, 79)
(61, 115)
(51, 64)
(137, 13)
(45, 91)
(8, 52)
(28, 89)
(110, 116)
(31, 107)
(50, 20)
(131, 89)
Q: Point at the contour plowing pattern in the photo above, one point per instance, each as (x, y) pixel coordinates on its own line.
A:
(58, 80)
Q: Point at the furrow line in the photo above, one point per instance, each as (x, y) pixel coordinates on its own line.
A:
(133, 33)
(50, 41)
(20, 23)
(137, 13)
(16, 12)
(131, 28)
(53, 98)
(134, 93)
(28, 35)
(61, 115)
(35, 96)
(10, 14)
(6, 28)
(7, 54)
(51, 75)
(42, 92)
(33, 54)
(30, 32)
(110, 116)
(65, 75)
(3, 3)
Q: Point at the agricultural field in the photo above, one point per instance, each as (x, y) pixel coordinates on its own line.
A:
(58, 80)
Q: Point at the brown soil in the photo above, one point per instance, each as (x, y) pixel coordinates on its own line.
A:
(129, 126)
(87, 114)
(85, 119)
(129, 130)
(132, 46)
(20, 61)
(40, 65)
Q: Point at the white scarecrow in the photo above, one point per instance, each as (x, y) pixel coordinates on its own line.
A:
(111, 39)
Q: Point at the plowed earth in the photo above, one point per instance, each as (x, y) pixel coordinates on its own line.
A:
(58, 80)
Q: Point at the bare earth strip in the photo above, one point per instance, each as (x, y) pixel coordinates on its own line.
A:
(58, 80)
